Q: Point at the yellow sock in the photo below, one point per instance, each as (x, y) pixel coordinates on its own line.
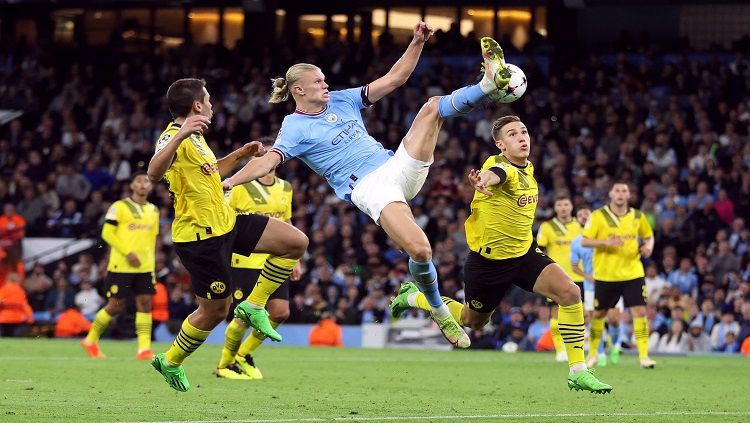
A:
(253, 341)
(597, 329)
(556, 338)
(274, 273)
(143, 330)
(187, 341)
(98, 326)
(640, 328)
(453, 306)
(572, 330)
(232, 339)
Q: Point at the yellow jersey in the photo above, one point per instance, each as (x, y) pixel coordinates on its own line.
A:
(499, 226)
(201, 210)
(131, 227)
(556, 237)
(273, 200)
(617, 264)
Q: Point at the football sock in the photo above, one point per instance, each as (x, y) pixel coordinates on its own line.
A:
(419, 300)
(98, 326)
(461, 101)
(275, 271)
(254, 341)
(572, 332)
(143, 325)
(425, 278)
(597, 329)
(556, 338)
(187, 341)
(232, 339)
(640, 328)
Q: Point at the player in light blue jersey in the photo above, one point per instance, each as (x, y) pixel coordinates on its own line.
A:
(327, 132)
(583, 256)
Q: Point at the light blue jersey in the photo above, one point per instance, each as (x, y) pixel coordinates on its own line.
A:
(580, 254)
(334, 143)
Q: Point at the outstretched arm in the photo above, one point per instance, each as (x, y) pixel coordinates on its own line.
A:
(253, 170)
(490, 177)
(232, 160)
(403, 67)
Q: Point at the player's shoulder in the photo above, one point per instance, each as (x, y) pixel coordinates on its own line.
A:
(285, 185)
(637, 213)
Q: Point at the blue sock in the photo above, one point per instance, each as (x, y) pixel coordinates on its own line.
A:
(461, 101)
(425, 277)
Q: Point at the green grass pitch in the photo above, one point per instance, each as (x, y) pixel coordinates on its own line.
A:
(54, 381)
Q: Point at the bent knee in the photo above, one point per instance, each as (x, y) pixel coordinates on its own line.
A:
(419, 251)
(278, 316)
(570, 294)
(299, 245)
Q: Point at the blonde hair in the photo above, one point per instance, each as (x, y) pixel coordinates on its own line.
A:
(281, 86)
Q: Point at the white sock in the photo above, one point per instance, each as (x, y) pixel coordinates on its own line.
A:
(412, 299)
(441, 312)
(578, 368)
(487, 85)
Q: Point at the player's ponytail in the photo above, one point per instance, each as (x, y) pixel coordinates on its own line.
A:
(282, 86)
(280, 91)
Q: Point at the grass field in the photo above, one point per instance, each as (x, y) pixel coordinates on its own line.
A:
(54, 381)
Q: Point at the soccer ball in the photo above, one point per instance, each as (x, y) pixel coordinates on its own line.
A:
(516, 86)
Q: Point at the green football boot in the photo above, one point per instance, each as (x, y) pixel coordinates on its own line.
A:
(256, 318)
(400, 304)
(174, 375)
(586, 381)
(494, 64)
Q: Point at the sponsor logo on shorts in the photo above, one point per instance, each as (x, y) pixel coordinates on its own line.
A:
(114, 289)
(217, 287)
(476, 304)
(238, 294)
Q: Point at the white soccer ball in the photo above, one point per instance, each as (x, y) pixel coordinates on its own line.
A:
(516, 86)
(510, 347)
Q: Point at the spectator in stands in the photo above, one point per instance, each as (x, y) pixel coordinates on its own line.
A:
(656, 285)
(723, 262)
(67, 221)
(697, 340)
(159, 307)
(71, 184)
(88, 300)
(15, 310)
(71, 324)
(327, 333)
(674, 341)
(61, 297)
(12, 232)
(539, 326)
(33, 209)
(719, 333)
(36, 284)
(685, 278)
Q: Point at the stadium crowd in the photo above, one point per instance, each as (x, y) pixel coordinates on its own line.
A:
(675, 126)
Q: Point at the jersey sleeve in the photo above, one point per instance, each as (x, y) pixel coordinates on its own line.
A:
(357, 97)
(543, 238)
(164, 138)
(113, 216)
(290, 141)
(644, 228)
(591, 230)
(575, 252)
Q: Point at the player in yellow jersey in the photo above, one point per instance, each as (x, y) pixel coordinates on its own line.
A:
(269, 196)
(503, 251)
(206, 231)
(130, 228)
(555, 236)
(620, 236)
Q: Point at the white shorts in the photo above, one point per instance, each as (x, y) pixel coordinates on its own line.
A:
(399, 179)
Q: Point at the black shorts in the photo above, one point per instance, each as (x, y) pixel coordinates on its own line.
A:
(244, 280)
(209, 260)
(607, 294)
(487, 280)
(121, 285)
(580, 286)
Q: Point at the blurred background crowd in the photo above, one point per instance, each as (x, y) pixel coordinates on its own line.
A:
(675, 125)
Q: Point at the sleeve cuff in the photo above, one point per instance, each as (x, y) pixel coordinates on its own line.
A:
(364, 93)
(499, 171)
